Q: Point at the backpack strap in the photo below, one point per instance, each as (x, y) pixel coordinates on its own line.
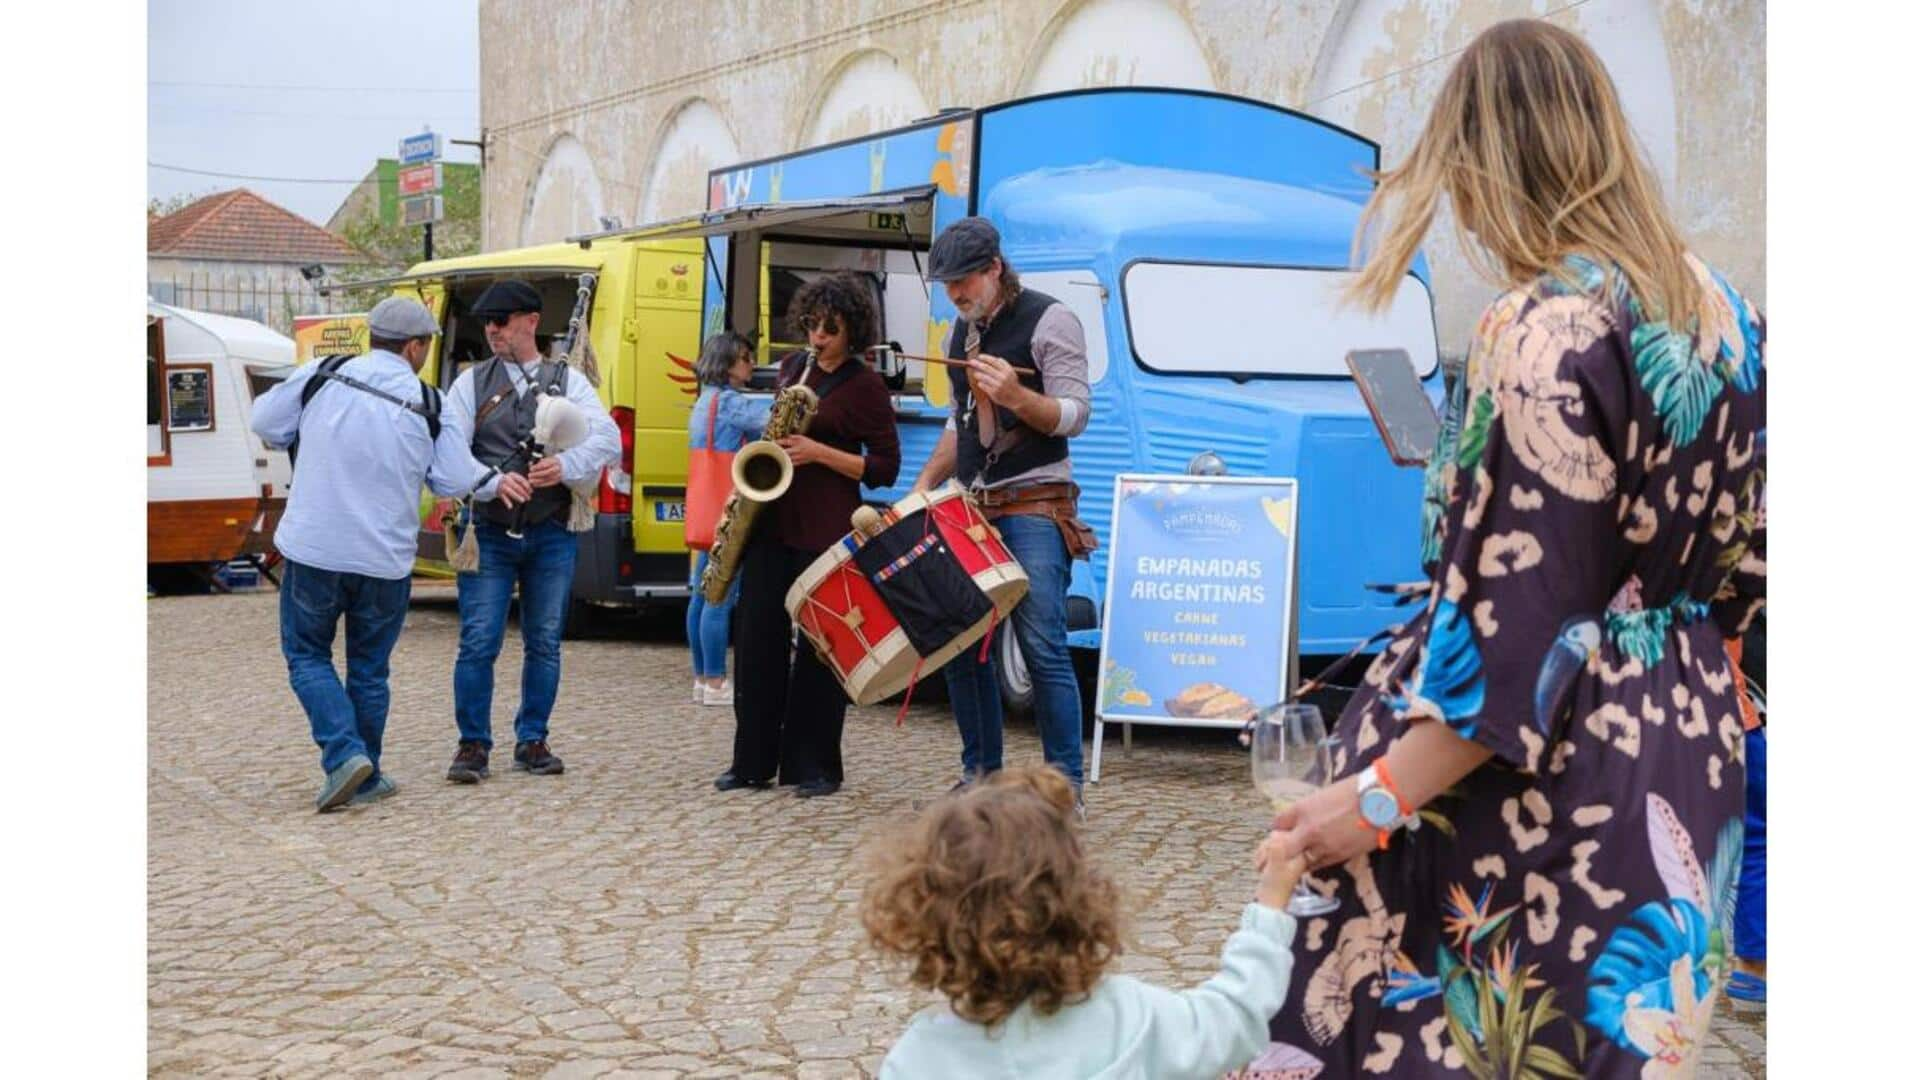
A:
(430, 408)
(328, 365)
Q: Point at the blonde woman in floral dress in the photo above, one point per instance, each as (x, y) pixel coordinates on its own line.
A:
(1560, 720)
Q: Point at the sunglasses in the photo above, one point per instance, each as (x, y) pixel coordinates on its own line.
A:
(502, 320)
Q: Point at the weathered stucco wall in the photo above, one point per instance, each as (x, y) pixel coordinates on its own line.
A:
(618, 108)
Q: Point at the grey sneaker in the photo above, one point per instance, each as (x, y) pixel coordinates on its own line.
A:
(343, 782)
(381, 788)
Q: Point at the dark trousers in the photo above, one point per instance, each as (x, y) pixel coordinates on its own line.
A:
(788, 709)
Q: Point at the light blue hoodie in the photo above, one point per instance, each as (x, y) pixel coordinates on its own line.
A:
(1125, 1029)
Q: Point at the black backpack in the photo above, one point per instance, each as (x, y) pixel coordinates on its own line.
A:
(428, 408)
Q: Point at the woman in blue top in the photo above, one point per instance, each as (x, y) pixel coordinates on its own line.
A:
(725, 364)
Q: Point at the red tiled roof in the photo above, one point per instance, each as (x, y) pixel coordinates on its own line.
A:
(243, 226)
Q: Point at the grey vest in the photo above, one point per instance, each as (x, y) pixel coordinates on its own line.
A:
(497, 438)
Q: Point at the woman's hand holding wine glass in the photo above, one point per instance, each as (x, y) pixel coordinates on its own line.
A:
(1292, 759)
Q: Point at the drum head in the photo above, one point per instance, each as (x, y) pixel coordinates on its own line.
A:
(816, 572)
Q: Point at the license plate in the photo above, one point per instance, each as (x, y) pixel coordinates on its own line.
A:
(664, 510)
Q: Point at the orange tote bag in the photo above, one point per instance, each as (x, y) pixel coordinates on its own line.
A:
(709, 482)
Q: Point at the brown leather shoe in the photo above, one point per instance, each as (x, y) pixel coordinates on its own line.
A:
(469, 763)
(534, 757)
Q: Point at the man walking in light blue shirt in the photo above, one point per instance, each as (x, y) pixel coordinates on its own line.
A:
(348, 535)
(491, 407)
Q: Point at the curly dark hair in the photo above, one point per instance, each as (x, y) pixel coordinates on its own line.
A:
(992, 901)
(839, 298)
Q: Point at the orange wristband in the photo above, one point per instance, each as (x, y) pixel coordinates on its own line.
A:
(1386, 781)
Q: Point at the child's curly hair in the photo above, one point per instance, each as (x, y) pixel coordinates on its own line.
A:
(992, 900)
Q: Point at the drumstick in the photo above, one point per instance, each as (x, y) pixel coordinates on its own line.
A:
(956, 363)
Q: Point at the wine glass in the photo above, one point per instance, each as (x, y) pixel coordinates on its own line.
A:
(1293, 758)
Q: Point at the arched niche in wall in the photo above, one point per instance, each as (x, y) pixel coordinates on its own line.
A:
(866, 92)
(695, 140)
(565, 196)
(1368, 40)
(1116, 43)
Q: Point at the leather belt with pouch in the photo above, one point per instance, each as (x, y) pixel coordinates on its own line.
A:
(1060, 502)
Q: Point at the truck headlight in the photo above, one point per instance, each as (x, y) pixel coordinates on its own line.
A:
(1207, 463)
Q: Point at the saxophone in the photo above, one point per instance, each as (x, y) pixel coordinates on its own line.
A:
(761, 473)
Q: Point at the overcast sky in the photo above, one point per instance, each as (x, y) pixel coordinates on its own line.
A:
(271, 88)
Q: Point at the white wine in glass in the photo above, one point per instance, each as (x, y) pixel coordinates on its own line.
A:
(1292, 759)
(1284, 793)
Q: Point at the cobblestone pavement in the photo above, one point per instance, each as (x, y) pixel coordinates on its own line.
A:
(623, 919)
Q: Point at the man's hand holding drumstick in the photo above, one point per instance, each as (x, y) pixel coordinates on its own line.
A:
(999, 382)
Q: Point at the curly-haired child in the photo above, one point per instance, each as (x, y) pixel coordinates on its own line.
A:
(992, 901)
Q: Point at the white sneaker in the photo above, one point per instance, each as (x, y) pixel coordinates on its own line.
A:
(699, 692)
(718, 695)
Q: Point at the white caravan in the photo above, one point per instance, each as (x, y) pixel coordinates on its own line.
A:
(214, 490)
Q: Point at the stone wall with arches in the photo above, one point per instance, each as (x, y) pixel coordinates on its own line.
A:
(619, 107)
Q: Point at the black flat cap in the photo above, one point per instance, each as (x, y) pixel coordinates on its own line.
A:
(507, 298)
(963, 247)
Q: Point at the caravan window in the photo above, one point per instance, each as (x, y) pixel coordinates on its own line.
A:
(1207, 319)
(156, 390)
(261, 380)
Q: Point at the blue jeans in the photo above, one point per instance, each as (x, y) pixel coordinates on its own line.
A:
(707, 626)
(351, 719)
(541, 563)
(1750, 903)
(1040, 622)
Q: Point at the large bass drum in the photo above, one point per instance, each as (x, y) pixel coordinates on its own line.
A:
(891, 603)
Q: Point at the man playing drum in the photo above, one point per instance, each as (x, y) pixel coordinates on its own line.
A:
(1006, 442)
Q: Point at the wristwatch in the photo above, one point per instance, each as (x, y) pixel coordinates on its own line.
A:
(1382, 808)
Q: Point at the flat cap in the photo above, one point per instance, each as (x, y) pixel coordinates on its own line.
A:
(963, 247)
(507, 298)
(401, 318)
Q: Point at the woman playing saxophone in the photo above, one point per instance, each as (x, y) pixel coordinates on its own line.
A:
(788, 708)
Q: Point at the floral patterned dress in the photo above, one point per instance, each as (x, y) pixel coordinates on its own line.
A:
(1595, 535)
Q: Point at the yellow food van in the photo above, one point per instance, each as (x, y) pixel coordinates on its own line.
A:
(644, 329)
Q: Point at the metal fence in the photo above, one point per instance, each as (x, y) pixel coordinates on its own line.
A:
(267, 300)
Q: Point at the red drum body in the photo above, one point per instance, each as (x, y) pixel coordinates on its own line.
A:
(886, 609)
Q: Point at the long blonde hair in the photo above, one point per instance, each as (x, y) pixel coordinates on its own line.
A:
(1528, 140)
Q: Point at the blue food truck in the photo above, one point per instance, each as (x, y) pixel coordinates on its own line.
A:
(1202, 240)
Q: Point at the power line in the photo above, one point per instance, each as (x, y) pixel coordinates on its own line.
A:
(240, 176)
(276, 179)
(401, 110)
(324, 89)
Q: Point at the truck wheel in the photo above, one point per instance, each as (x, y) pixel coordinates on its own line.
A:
(1016, 682)
(1086, 669)
(582, 618)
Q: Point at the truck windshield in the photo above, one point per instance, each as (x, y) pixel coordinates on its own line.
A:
(1200, 318)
